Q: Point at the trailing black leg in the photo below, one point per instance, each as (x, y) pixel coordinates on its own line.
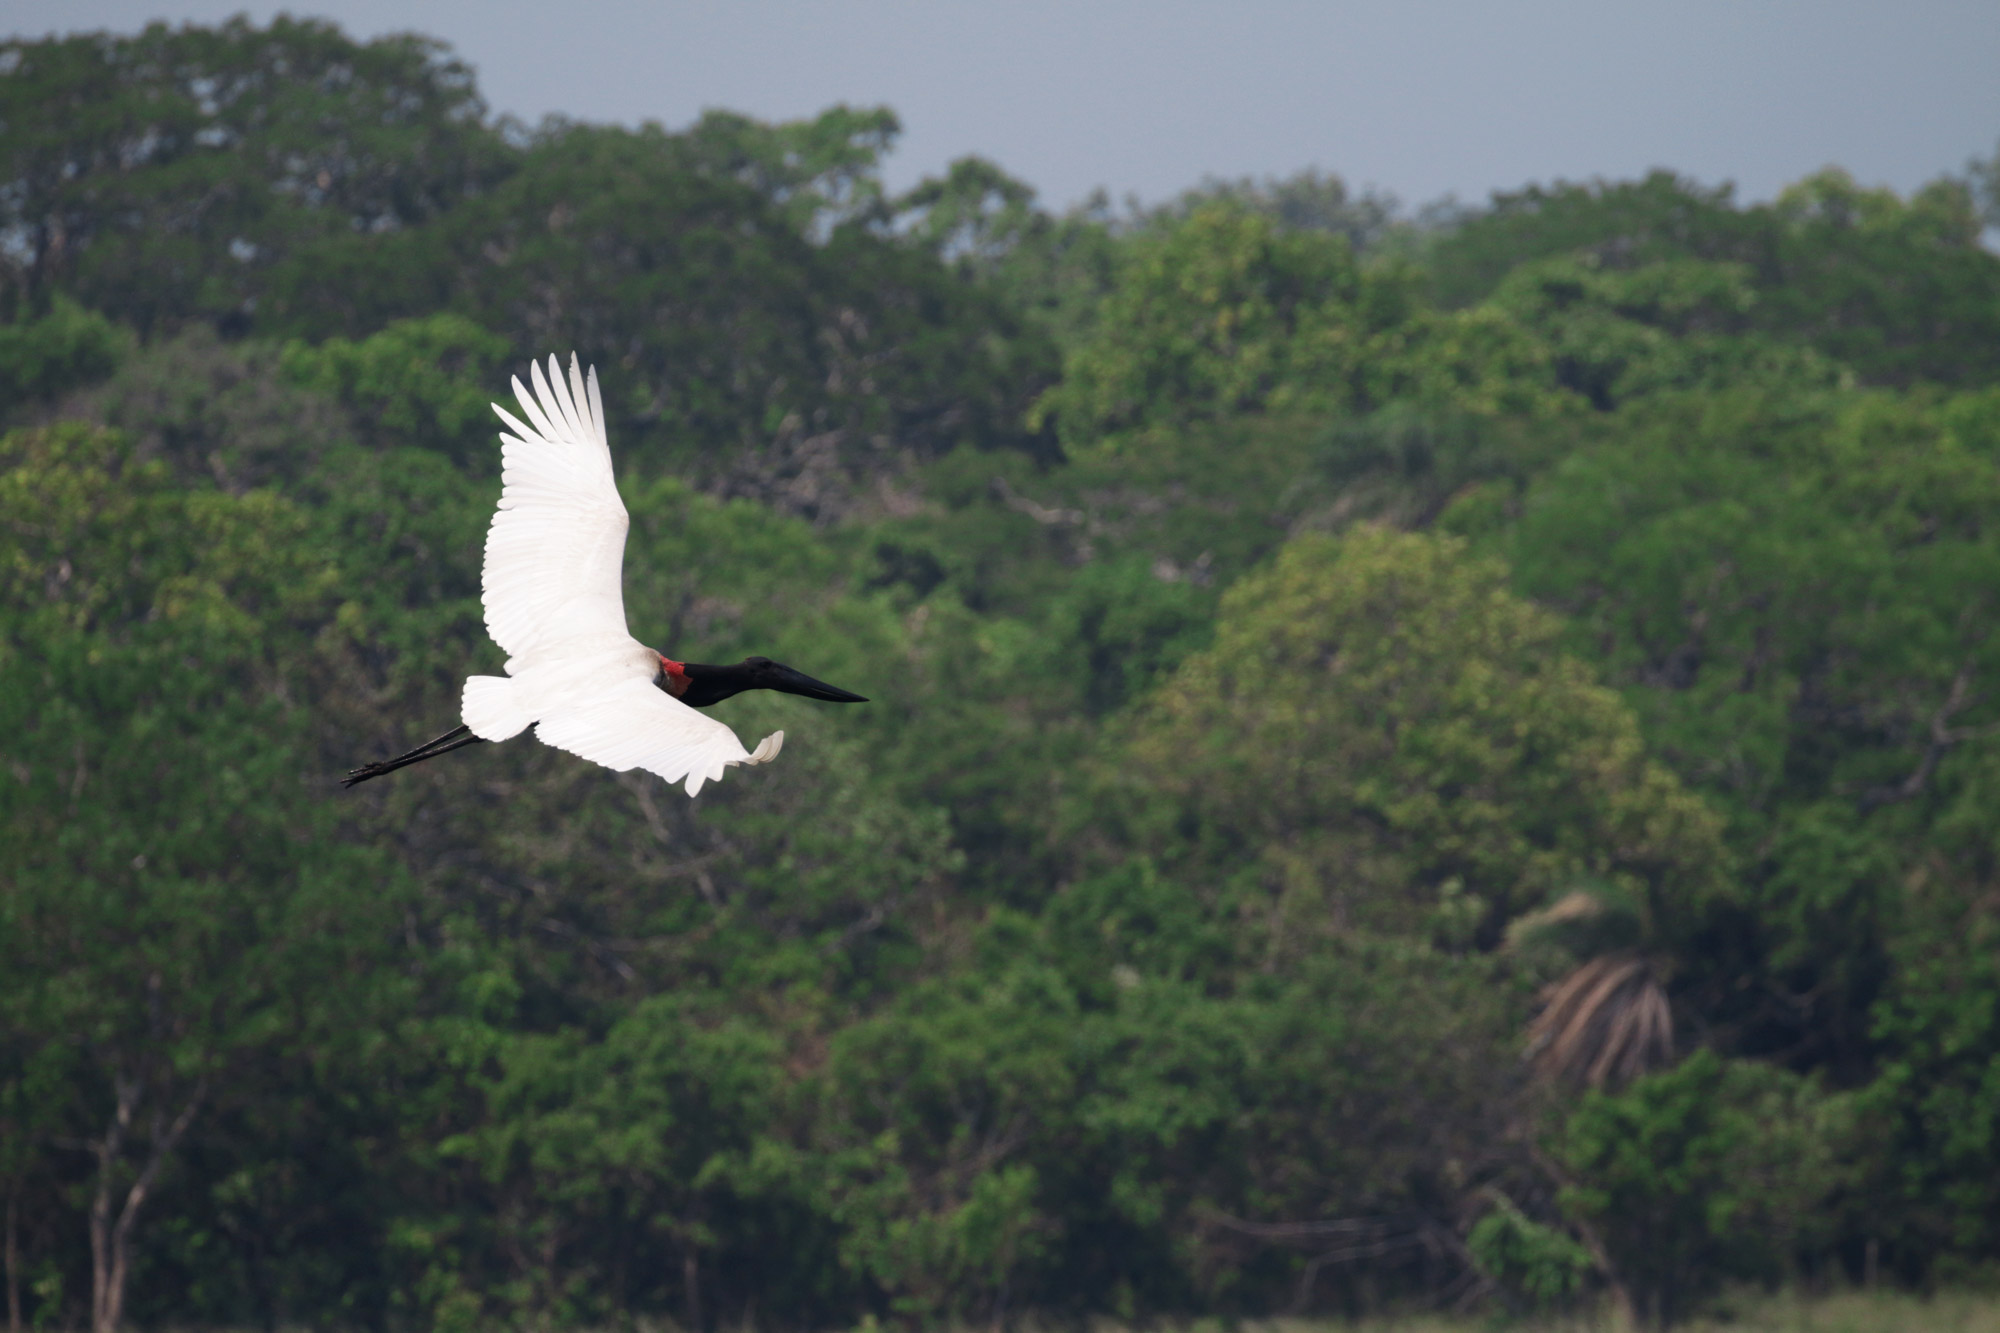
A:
(455, 739)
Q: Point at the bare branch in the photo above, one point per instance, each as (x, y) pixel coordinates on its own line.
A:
(164, 1142)
(595, 947)
(1076, 521)
(1300, 1231)
(13, 1263)
(696, 867)
(1942, 738)
(1359, 1238)
(1042, 514)
(1593, 1243)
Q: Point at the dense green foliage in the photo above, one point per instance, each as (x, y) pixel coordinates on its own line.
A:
(1410, 762)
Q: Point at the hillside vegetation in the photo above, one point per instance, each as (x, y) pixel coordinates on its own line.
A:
(1414, 765)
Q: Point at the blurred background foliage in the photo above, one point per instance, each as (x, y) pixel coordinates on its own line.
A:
(1416, 761)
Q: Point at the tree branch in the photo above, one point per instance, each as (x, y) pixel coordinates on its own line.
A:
(1624, 1310)
(13, 1266)
(107, 1150)
(165, 1138)
(1942, 738)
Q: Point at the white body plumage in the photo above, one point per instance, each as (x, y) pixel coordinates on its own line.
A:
(552, 589)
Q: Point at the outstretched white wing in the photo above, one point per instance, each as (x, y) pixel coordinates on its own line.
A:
(555, 602)
(631, 724)
(555, 552)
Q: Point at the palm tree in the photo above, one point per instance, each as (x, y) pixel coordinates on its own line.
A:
(1607, 1021)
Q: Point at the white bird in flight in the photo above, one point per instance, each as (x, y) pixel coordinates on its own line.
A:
(552, 588)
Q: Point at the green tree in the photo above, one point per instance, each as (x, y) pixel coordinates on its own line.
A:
(1983, 175)
(1713, 1169)
(1788, 590)
(1384, 737)
(765, 360)
(1062, 1125)
(1618, 333)
(170, 937)
(1226, 313)
(1160, 942)
(599, 1150)
(1898, 290)
(159, 177)
(423, 383)
(1545, 1265)
(1624, 223)
(1939, 1029)
(975, 215)
(1309, 201)
(64, 349)
(821, 172)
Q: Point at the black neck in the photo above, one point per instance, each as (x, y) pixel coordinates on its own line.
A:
(712, 684)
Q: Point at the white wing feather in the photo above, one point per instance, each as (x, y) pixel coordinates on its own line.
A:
(554, 599)
(556, 549)
(631, 724)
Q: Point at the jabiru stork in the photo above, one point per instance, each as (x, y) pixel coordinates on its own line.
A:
(552, 590)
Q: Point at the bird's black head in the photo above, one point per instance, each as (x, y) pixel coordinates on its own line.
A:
(712, 684)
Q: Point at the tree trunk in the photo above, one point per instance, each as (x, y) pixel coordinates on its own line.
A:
(103, 1314)
(111, 1236)
(691, 1285)
(1624, 1310)
(13, 1268)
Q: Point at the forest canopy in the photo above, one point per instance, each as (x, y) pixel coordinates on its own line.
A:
(1415, 759)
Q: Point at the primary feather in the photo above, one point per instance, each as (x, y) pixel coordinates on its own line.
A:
(552, 589)
(555, 552)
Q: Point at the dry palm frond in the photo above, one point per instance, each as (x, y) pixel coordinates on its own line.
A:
(1575, 905)
(1608, 1021)
(1583, 923)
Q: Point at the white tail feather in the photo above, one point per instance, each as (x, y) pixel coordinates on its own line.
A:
(491, 708)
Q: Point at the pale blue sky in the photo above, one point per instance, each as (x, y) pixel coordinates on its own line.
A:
(1419, 97)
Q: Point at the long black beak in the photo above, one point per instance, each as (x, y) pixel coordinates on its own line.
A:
(788, 681)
